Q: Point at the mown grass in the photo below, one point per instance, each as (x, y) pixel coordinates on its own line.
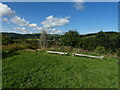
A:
(43, 70)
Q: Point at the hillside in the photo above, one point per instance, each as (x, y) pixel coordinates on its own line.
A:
(37, 35)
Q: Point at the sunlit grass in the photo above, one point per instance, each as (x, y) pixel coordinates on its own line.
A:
(43, 70)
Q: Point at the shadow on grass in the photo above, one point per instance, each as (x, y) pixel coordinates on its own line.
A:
(8, 54)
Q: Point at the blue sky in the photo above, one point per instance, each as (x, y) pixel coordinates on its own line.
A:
(91, 18)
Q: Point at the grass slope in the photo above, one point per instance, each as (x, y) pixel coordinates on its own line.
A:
(42, 70)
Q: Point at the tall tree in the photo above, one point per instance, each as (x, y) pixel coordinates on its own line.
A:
(43, 39)
(70, 38)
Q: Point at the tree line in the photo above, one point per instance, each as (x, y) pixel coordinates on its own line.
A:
(101, 42)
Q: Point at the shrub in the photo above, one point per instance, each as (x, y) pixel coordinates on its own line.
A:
(6, 40)
(67, 48)
(55, 47)
(100, 49)
(13, 47)
(24, 46)
(10, 48)
(61, 48)
(118, 52)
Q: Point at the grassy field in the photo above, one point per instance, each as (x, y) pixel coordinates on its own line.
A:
(42, 70)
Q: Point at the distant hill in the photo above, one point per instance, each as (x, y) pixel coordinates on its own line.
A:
(27, 36)
(18, 36)
(37, 35)
(91, 34)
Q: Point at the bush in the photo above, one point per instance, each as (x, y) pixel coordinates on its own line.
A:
(118, 52)
(13, 47)
(10, 48)
(7, 40)
(67, 48)
(100, 49)
(61, 48)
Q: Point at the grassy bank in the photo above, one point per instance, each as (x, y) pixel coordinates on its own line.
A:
(43, 70)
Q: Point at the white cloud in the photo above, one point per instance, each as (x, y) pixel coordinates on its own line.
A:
(5, 19)
(38, 28)
(79, 4)
(54, 31)
(78, 0)
(22, 29)
(33, 25)
(5, 10)
(22, 22)
(19, 21)
(54, 22)
(49, 30)
(30, 33)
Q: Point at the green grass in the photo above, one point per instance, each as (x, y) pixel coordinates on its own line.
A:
(0, 73)
(43, 70)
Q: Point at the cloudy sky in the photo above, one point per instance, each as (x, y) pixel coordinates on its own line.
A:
(59, 17)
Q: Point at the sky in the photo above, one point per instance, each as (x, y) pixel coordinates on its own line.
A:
(59, 17)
